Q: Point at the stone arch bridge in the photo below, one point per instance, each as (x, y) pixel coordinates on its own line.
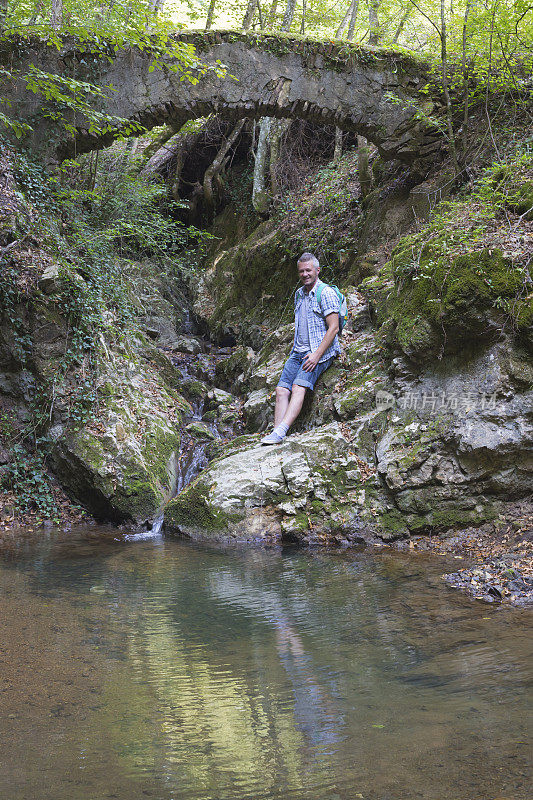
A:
(371, 91)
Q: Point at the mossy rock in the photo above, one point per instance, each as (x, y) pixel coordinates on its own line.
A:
(377, 290)
(228, 370)
(194, 388)
(392, 525)
(192, 512)
(521, 200)
(523, 314)
(440, 301)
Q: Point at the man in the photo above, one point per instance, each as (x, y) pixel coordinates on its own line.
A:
(315, 346)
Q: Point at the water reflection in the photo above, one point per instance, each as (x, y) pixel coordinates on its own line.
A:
(180, 672)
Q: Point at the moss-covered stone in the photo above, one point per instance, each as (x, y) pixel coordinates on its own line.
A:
(392, 525)
(199, 430)
(440, 299)
(228, 370)
(194, 389)
(521, 200)
(192, 510)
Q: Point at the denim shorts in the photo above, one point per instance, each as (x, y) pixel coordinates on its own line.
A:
(294, 374)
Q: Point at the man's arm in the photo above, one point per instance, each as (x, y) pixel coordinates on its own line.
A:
(311, 360)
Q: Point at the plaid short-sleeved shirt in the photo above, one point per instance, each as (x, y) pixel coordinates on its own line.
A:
(316, 317)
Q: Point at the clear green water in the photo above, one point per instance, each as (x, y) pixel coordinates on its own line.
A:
(159, 669)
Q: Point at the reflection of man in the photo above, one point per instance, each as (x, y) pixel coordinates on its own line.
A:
(316, 344)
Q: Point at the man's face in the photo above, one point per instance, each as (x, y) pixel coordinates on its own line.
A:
(308, 274)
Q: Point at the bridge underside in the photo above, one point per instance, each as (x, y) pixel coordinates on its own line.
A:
(366, 90)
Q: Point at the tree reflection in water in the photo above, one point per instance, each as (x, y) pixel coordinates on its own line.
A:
(224, 675)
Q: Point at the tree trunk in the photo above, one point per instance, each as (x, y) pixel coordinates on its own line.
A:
(178, 147)
(213, 171)
(35, 14)
(304, 12)
(338, 146)
(364, 170)
(260, 195)
(401, 26)
(56, 18)
(107, 9)
(489, 76)
(353, 17)
(344, 20)
(134, 147)
(3, 12)
(373, 19)
(160, 140)
(156, 6)
(210, 15)
(445, 86)
(249, 15)
(277, 131)
(289, 15)
(159, 160)
(272, 13)
(466, 86)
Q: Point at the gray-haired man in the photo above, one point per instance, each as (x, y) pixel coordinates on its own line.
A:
(316, 325)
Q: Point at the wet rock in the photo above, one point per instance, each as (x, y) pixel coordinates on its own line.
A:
(194, 389)
(188, 344)
(259, 409)
(230, 372)
(218, 397)
(359, 317)
(495, 581)
(299, 489)
(200, 431)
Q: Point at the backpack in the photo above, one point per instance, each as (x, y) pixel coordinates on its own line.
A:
(343, 304)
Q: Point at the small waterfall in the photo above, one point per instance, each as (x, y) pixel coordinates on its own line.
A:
(157, 524)
(193, 453)
(187, 323)
(192, 462)
(153, 533)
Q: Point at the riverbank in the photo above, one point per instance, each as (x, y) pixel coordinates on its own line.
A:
(495, 560)
(13, 518)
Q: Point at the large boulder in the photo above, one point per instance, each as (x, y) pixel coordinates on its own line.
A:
(458, 443)
(411, 452)
(122, 462)
(311, 488)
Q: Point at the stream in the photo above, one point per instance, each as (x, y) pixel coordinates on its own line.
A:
(197, 383)
(135, 666)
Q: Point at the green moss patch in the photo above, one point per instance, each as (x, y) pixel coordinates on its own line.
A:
(192, 510)
(464, 276)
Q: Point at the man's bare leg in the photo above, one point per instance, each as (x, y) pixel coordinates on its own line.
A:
(282, 403)
(295, 405)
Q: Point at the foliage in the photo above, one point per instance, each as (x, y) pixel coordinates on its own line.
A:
(100, 32)
(91, 234)
(26, 475)
(322, 215)
(478, 216)
(492, 55)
